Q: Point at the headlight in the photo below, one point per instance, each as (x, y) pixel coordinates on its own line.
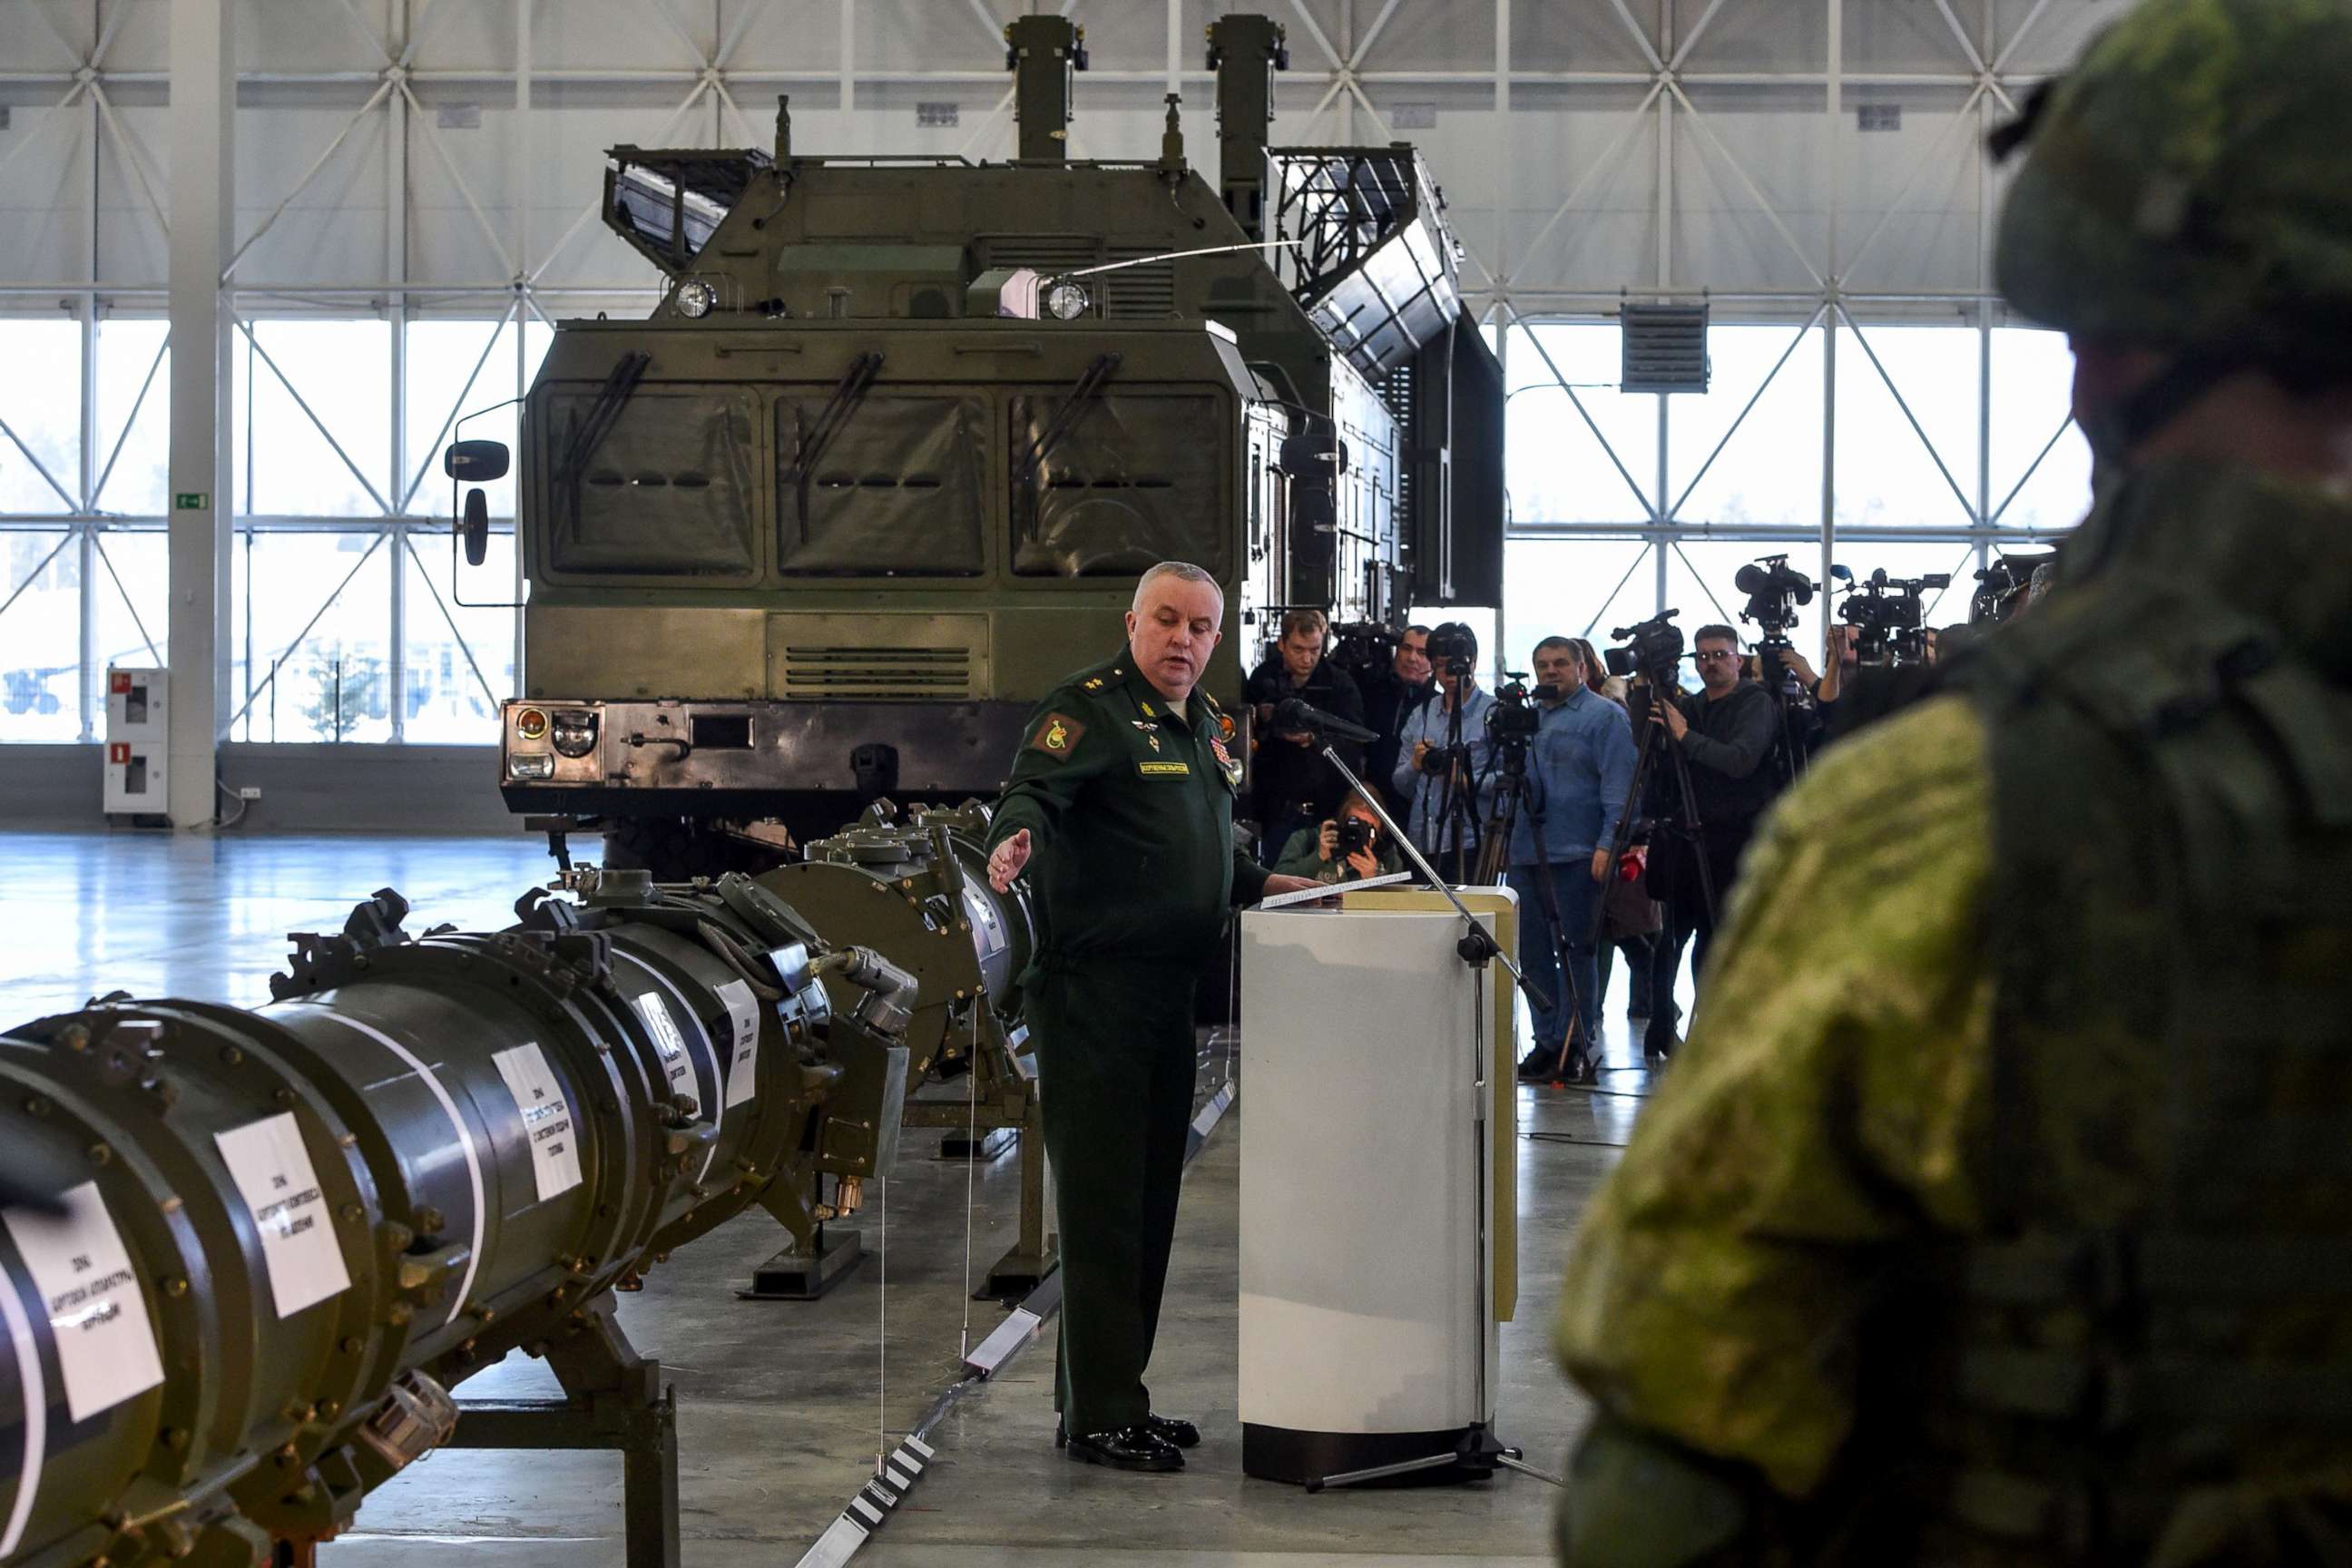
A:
(531, 723)
(575, 733)
(695, 299)
(1065, 301)
(535, 765)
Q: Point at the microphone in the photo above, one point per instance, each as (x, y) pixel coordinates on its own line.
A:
(1293, 713)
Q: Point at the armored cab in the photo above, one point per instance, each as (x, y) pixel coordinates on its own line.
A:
(885, 463)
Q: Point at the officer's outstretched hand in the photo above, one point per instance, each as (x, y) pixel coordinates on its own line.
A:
(1279, 884)
(1005, 861)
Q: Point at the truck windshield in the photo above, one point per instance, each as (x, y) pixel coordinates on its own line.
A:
(889, 486)
(659, 485)
(1115, 484)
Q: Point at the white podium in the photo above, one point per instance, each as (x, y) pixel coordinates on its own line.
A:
(1377, 1225)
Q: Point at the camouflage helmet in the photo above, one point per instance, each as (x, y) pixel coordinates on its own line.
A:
(2188, 185)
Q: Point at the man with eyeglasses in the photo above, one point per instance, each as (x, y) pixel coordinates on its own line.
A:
(1725, 732)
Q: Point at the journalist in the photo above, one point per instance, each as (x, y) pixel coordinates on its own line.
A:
(1444, 765)
(1579, 770)
(1389, 697)
(1294, 786)
(1725, 731)
(1348, 847)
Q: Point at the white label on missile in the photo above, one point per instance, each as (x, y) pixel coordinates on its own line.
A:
(273, 1174)
(743, 1068)
(667, 1039)
(98, 1314)
(546, 1118)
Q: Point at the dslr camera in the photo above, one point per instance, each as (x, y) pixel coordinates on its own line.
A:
(1513, 719)
(1652, 650)
(1356, 834)
(1887, 614)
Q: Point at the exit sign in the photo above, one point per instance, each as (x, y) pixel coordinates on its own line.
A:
(191, 501)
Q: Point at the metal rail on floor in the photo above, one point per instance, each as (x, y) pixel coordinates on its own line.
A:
(871, 1508)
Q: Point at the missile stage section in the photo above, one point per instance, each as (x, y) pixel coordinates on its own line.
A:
(282, 1235)
(916, 887)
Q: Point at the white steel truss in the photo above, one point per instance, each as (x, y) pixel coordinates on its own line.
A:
(1520, 267)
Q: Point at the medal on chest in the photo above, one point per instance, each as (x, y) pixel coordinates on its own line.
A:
(1233, 770)
(1150, 732)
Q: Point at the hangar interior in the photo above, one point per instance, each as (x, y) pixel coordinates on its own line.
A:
(378, 210)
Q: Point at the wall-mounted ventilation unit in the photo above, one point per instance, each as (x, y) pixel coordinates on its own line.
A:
(1665, 348)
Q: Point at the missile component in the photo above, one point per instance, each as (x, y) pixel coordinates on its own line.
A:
(283, 1235)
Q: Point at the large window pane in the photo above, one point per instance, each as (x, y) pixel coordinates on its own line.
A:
(454, 391)
(137, 444)
(40, 636)
(2032, 381)
(459, 660)
(1576, 588)
(132, 596)
(333, 680)
(1558, 468)
(1887, 475)
(343, 371)
(40, 404)
(1770, 468)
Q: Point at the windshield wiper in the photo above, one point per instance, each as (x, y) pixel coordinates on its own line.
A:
(1066, 418)
(835, 417)
(602, 412)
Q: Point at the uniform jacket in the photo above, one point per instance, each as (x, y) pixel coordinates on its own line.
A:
(1130, 817)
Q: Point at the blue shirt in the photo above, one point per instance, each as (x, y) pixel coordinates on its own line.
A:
(1579, 770)
(1424, 794)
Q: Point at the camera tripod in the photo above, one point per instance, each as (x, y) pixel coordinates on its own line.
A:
(1455, 820)
(1683, 817)
(1576, 1060)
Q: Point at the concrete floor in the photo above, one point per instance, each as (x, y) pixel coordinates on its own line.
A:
(779, 1403)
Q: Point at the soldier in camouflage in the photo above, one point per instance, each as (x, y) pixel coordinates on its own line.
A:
(2000, 1209)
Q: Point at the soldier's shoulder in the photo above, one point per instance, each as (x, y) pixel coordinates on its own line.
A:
(1091, 684)
(1920, 777)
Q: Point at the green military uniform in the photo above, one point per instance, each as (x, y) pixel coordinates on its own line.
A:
(2000, 1209)
(1129, 809)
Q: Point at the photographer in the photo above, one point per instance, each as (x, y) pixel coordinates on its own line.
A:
(1580, 771)
(1346, 848)
(1294, 787)
(1391, 694)
(1444, 765)
(1725, 732)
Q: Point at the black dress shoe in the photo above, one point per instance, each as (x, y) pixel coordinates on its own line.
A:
(1175, 1429)
(1135, 1447)
(1538, 1065)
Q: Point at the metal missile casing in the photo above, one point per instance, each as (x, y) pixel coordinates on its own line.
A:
(465, 1141)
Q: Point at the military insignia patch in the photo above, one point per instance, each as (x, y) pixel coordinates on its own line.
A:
(1163, 770)
(1150, 732)
(1058, 736)
(1232, 769)
(1145, 704)
(1092, 683)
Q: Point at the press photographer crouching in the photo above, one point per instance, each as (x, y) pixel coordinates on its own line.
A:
(1348, 847)
(1725, 732)
(1444, 772)
(1579, 770)
(1294, 786)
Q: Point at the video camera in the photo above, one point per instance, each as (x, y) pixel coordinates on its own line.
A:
(1453, 650)
(1513, 720)
(1887, 614)
(1360, 646)
(2002, 586)
(1774, 591)
(1652, 650)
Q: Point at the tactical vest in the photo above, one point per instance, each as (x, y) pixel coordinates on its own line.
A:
(2152, 1361)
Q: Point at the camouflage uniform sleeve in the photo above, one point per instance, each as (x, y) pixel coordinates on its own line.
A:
(1833, 1099)
(1067, 743)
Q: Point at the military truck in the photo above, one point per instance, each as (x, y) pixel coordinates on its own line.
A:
(882, 466)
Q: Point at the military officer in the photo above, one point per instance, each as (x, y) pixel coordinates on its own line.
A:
(1997, 1211)
(1121, 810)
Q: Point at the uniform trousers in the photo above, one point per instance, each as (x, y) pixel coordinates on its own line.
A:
(1117, 1066)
